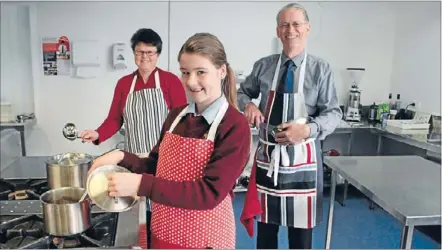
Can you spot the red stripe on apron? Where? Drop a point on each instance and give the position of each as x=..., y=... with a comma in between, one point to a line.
x=270, y=100
x=269, y=105
x=309, y=153
x=309, y=212
x=263, y=207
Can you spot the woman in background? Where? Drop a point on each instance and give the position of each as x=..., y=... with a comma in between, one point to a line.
x=141, y=99
x=203, y=148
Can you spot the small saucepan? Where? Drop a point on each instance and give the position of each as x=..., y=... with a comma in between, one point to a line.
x=63, y=212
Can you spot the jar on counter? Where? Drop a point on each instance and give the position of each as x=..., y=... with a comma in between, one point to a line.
x=392, y=114
x=384, y=119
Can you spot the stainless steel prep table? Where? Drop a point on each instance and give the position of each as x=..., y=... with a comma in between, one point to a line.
x=407, y=187
x=23, y=127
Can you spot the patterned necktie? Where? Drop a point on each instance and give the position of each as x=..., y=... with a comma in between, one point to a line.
x=289, y=78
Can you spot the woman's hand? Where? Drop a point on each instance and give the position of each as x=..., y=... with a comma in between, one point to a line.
x=124, y=184
x=89, y=135
x=113, y=158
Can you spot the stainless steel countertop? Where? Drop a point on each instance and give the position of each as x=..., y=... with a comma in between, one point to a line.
x=408, y=187
x=412, y=140
x=35, y=167
x=26, y=123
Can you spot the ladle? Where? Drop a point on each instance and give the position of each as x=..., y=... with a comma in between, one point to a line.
x=70, y=131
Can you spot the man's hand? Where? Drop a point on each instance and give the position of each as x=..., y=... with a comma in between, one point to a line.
x=292, y=133
x=253, y=115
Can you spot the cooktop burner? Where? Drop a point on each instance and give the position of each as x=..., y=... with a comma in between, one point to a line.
x=28, y=232
x=22, y=189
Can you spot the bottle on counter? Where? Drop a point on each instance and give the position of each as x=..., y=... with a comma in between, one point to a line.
x=390, y=101
x=393, y=114
x=384, y=119
x=382, y=108
x=397, y=104
x=372, y=112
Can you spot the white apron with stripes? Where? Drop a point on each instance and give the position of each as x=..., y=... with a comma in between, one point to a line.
x=144, y=115
x=287, y=202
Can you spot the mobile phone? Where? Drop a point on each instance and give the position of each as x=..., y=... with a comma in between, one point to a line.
x=276, y=130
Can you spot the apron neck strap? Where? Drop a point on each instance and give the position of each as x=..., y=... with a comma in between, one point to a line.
x=178, y=119
x=213, y=126
x=275, y=76
x=157, y=79
x=216, y=122
x=302, y=75
x=134, y=81
x=132, y=86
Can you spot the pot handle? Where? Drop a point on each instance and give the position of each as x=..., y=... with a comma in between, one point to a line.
x=90, y=201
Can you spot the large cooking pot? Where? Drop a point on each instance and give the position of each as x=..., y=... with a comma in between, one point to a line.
x=68, y=170
x=63, y=214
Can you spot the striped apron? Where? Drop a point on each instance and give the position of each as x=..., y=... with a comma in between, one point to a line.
x=183, y=159
x=285, y=185
x=144, y=115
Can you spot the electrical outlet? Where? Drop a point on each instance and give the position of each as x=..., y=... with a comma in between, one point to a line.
x=417, y=105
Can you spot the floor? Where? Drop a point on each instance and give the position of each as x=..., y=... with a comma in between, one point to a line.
x=355, y=226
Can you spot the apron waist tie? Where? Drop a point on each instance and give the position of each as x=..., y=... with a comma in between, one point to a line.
x=278, y=154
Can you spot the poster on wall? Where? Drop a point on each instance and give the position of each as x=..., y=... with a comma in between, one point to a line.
x=56, y=56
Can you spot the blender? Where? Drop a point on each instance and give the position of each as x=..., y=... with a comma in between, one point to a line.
x=352, y=112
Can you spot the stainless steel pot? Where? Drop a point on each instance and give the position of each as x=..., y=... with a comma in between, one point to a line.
x=63, y=215
x=68, y=170
x=97, y=188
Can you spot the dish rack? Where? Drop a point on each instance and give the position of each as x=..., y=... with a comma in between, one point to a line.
x=408, y=124
x=420, y=123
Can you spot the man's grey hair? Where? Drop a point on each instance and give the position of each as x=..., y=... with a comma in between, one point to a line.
x=296, y=6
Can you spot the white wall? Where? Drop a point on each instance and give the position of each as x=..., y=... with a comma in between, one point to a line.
x=416, y=71
x=86, y=102
x=347, y=34
x=16, y=76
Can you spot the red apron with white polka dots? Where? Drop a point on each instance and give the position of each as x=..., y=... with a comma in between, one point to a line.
x=184, y=159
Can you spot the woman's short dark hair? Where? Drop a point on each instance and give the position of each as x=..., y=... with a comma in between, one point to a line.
x=147, y=36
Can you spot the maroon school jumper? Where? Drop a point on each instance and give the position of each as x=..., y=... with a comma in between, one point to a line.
x=171, y=86
x=230, y=155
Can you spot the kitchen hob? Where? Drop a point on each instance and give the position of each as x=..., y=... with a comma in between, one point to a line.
x=28, y=232
x=22, y=189
x=22, y=225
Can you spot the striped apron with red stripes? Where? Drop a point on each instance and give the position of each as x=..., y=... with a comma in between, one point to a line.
x=285, y=182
